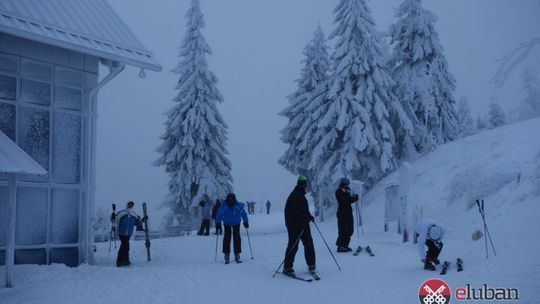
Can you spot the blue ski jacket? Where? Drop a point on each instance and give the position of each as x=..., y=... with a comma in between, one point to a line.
x=125, y=221
x=231, y=216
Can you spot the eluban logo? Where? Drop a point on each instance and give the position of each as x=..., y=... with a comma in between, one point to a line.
x=434, y=291
x=486, y=293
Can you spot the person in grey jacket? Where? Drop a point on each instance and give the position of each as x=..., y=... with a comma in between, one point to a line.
x=430, y=233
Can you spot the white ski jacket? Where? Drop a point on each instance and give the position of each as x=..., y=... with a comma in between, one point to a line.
x=422, y=229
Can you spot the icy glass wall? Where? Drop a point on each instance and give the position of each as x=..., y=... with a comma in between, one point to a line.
x=44, y=93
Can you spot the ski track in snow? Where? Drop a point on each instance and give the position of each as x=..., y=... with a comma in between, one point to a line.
x=183, y=268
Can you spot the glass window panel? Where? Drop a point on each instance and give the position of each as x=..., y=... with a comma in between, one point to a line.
x=68, y=256
x=30, y=256
x=7, y=120
x=66, y=148
x=8, y=87
x=36, y=92
x=68, y=98
x=8, y=65
x=65, y=216
x=36, y=70
x=31, y=225
x=34, y=134
x=4, y=214
x=68, y=77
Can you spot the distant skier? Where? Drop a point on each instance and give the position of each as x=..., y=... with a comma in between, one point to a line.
x=345, y=215
x=214, y=214
x=126, y=220
x=297, y=219
x=232, y=213
x=268, y=205
x=205, y=224
x=429, y=233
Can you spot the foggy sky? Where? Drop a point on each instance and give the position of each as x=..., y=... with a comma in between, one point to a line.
x=257, y=51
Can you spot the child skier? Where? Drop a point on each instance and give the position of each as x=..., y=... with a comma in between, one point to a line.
x=231, y=213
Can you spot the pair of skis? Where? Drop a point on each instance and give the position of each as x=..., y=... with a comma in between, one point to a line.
x=446, y=266
x=314, y=276
x=366, y=249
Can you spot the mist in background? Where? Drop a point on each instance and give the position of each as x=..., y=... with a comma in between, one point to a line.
x=257, y=51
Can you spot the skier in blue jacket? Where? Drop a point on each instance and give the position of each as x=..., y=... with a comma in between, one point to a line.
x=232, y=213
x=126, y=220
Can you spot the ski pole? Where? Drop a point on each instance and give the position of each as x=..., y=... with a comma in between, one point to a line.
x=249, y=242
x=484, y=220
x=215, y=255
x=327, y=246
x=288, y=252
x=357, y=221
x=487, y=230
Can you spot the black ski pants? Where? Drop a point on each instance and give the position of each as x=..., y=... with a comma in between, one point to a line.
x=434, y=249
x=345, y=228
x=205, y=228
x=292, y=248
x=235, y=230
x=123, y=252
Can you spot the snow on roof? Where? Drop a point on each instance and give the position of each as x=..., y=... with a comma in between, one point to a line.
x=14, y=160
x=90, y=27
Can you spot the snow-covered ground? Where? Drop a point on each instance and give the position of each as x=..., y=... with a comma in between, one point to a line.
x=183, y=270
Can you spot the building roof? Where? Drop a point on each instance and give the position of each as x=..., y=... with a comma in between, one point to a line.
x=14, y=160
x=87, y=26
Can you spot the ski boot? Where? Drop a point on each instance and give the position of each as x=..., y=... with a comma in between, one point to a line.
x=237, y=258
x=226, y=258
x=429, y=266
x=288, y=272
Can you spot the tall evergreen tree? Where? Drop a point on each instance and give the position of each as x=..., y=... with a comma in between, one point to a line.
x=420, y=69
x=465, y=121
x=354, y=135
x=315, y=72
x=497, y=117
x=193, y=150
x=303, y=107
x=531, y=86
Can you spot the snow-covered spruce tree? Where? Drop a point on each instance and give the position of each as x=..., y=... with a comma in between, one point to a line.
x=354, y=136
x=531, y=86
x=193, y=150
x=496, y=118
x=424, y=82
x=481, y=123
x=465, y=121
x=303, y=103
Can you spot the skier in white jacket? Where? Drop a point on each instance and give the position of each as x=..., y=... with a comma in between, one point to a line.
x=429, y=233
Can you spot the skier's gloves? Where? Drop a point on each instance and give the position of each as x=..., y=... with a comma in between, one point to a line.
x=145, y=218
x=246, y=225
x=113, y=216
x=356, y=197
x=311, y=218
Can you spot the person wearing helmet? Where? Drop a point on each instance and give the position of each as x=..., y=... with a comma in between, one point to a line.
x=297, y=219
x=231, y=213
x=345, y=215
x=429, y=233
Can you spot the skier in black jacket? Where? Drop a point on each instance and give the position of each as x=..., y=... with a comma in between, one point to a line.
x=345, y=215
x=297, y=218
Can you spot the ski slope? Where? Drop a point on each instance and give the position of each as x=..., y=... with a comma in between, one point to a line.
x=183, y=269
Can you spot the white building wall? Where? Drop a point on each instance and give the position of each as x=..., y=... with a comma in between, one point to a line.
x=45, y=108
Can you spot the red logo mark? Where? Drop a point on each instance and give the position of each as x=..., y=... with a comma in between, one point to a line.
x=434, y=291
